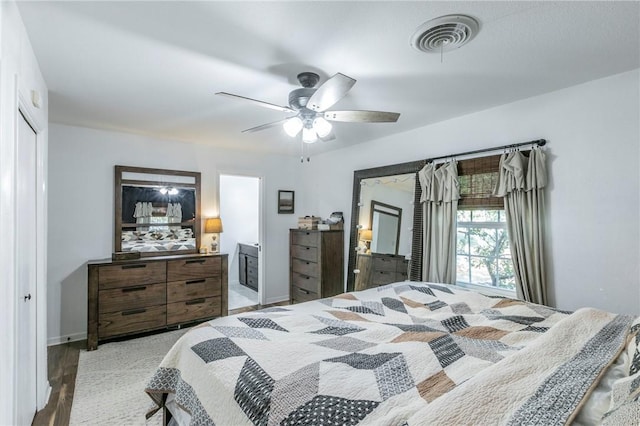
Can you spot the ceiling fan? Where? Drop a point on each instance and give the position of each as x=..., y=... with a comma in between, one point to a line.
x=310, y=108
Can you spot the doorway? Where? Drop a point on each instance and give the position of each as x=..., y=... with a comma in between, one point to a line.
x=26, y=271
x=241, y=213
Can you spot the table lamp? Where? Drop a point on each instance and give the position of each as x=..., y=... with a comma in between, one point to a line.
x=213, y=225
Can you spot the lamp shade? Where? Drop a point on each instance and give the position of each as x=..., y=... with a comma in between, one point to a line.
x=213, y=225
x=366, y=235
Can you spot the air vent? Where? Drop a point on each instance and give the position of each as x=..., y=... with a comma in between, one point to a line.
x=445, y=33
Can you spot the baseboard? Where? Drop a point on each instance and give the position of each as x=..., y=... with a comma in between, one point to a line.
x=66, y=339
x=42, y=404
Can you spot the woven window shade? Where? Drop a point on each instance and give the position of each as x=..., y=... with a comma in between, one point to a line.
x=478, y=178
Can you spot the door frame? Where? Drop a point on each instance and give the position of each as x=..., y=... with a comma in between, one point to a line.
x=262, y=257
x=26, y=108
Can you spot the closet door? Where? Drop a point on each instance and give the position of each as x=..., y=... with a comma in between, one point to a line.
x=26, y=273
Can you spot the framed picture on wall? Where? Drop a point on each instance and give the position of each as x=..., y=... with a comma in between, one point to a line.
x=285, y=202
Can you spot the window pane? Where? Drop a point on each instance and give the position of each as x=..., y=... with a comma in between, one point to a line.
x=503, y=243
x=484, y=257
x=463, y=241
x=506, y=275
x=464, y=215
x=462, y=269
x=480, y=271
x=485, y=215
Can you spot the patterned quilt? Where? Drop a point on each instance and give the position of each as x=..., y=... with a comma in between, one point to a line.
x=403, y=354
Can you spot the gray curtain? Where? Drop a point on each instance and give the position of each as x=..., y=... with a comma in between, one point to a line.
x=521, y=182
x=440, y=194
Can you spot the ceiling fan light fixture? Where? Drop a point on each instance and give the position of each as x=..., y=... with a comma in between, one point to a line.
x=322, y=127
x=292, y=126
x=309, y=135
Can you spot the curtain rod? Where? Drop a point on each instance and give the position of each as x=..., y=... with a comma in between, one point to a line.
x=539, y=142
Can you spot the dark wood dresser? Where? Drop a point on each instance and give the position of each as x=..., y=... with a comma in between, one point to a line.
x=127, y=297
x=316, y=264
x=248, y=265
x=379, y=269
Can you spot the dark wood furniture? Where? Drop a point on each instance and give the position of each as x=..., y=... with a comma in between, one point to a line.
x=128, y=297
x=380, y=269
x=316, y=264
x=248, y=265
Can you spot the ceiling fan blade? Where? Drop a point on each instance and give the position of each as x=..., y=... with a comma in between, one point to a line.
x=257, y=102
x=362, y=116
x=265, y=126
x=330, y=92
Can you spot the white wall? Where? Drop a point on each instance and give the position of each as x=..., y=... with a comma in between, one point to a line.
x=81, y=208
x=19, y=75
x=593, y=198
x=239, y=197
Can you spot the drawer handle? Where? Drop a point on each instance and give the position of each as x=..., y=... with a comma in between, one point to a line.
x=307, y=263
x=133, y=312
x=195, y=261
x=140, y=265
x=307, y=248
x=195, y=302
x=301, y=290
x=195, y=281
x=131, y=289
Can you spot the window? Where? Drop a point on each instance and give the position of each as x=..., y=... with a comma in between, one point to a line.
x=483, y=254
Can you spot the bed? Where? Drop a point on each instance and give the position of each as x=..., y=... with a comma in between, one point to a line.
x=405, y=354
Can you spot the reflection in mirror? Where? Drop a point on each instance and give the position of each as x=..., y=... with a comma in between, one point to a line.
x=157, y=211
x=385, y=227
x=395, y=192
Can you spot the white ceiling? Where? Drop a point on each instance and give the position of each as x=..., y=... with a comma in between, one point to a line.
x=152, y=68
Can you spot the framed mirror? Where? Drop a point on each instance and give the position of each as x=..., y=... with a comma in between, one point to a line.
x=386, y=221
x=396, y=186
x=157, y=211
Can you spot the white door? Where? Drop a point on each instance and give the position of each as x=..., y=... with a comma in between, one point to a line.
x=26, y=273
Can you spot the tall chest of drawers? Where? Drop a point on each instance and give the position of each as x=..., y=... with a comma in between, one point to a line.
x=379, y=269
x=248, y=265
x=316, y=264
x=135, y=296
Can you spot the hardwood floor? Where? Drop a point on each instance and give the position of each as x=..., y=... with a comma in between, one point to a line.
x=63, y=366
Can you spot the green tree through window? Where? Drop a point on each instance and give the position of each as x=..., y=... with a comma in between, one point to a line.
x=483, y=255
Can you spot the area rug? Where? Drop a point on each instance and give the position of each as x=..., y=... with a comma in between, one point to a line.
x=110, y=381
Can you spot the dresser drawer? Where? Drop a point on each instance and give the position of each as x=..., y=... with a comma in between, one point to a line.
x=402, y=276
x=252, y=273
x=384, y=264
x=305, y=238
x=383, y=277
x=188, y=269
x=305, y=281
x=191, y=310
x=252, y=282
x=252, y=262
x=178, y=291
x=402, y=265
x=304, y=253
x=115, y=276
x=126, y=298
x=132, y=320
x=305, y=267
x=301, y=295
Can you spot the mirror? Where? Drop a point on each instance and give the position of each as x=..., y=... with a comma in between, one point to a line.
x=386, y=217
x=157, y=211
x=385, y=226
